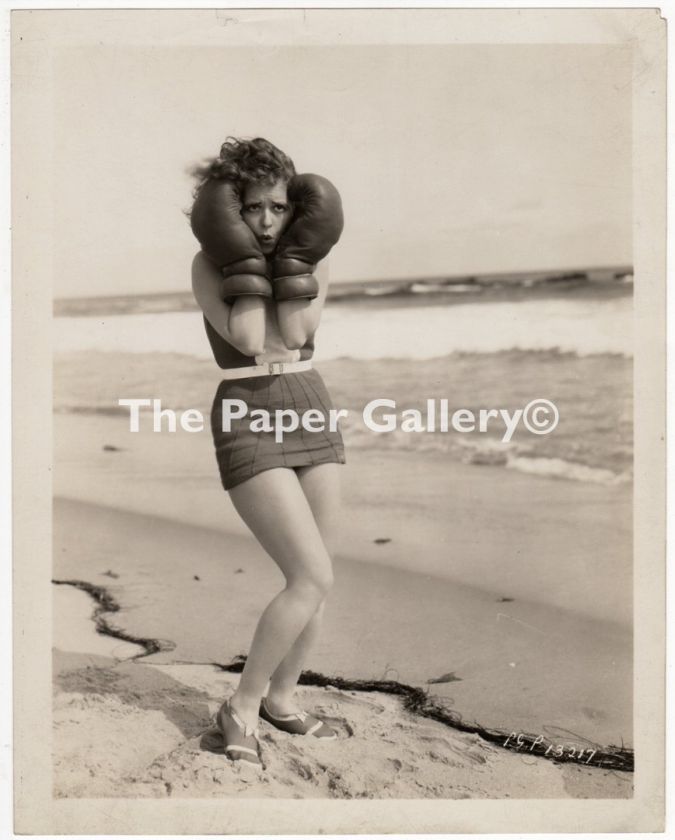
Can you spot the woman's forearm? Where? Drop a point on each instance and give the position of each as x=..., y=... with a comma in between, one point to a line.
x=246, y=324
x=242, y=322
x=299, y=319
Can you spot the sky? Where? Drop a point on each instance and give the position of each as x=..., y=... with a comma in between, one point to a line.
x=450, y=159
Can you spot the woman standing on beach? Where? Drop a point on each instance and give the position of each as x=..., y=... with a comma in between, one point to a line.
x=263, y=229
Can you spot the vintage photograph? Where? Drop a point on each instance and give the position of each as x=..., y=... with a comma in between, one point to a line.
x=342, y=337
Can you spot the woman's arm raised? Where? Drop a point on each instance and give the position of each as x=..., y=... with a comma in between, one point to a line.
x=241, y=323
x=299, y=319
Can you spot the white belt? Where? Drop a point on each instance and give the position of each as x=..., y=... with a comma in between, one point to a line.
x=267, y=369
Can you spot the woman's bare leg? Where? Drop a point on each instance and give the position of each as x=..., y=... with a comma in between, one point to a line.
x=275, y=508
x=321, y=487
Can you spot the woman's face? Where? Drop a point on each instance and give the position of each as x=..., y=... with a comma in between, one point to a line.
x=267, y=211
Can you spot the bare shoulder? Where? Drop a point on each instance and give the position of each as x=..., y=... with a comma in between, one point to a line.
x=205, y=279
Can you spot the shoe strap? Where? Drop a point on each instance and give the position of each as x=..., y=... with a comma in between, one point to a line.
x=315, y=727
x=234, y=748
x=301, y=715
x=246, y=729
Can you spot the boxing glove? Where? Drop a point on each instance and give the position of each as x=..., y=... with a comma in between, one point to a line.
x=316, y=227
x=228, y=241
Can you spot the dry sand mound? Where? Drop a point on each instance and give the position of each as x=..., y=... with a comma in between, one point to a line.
x=132, y=730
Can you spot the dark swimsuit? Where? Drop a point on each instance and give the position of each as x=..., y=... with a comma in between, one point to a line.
x=242, y=453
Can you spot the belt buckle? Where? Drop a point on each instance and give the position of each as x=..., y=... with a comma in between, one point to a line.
x=275, y=368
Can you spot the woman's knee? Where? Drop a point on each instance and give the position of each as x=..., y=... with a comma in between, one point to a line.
x=314, y=583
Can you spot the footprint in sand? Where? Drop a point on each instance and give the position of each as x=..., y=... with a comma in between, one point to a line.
x=302, y=768
x=401, y=766
x=465, y=752
x=352, y=698
x=212, y=741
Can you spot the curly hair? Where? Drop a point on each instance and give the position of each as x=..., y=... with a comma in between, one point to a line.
x=245, y=162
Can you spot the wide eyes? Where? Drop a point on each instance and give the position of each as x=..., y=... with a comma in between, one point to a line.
x=256, y=207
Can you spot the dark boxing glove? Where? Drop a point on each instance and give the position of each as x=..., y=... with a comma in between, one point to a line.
x=228, y=241
x=316, y=227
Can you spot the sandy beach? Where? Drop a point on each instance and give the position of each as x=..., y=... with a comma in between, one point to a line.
x=494, y=285
x=528, y=640
x=153, y=738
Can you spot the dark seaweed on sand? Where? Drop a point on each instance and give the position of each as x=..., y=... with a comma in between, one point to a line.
x=415, y=700
x=418, y=702
x=106, y=604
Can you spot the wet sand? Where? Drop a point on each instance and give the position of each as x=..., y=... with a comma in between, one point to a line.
x=538, y=644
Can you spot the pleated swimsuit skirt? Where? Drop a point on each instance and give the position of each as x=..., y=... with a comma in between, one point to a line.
x=242, y=453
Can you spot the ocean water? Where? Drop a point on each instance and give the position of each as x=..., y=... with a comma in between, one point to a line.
x=415, y=331
x=571, y=345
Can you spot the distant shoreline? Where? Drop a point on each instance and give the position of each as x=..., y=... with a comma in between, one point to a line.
x=452, y=288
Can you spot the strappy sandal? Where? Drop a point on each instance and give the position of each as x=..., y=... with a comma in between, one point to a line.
x=240, y=741
x=299, y=723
